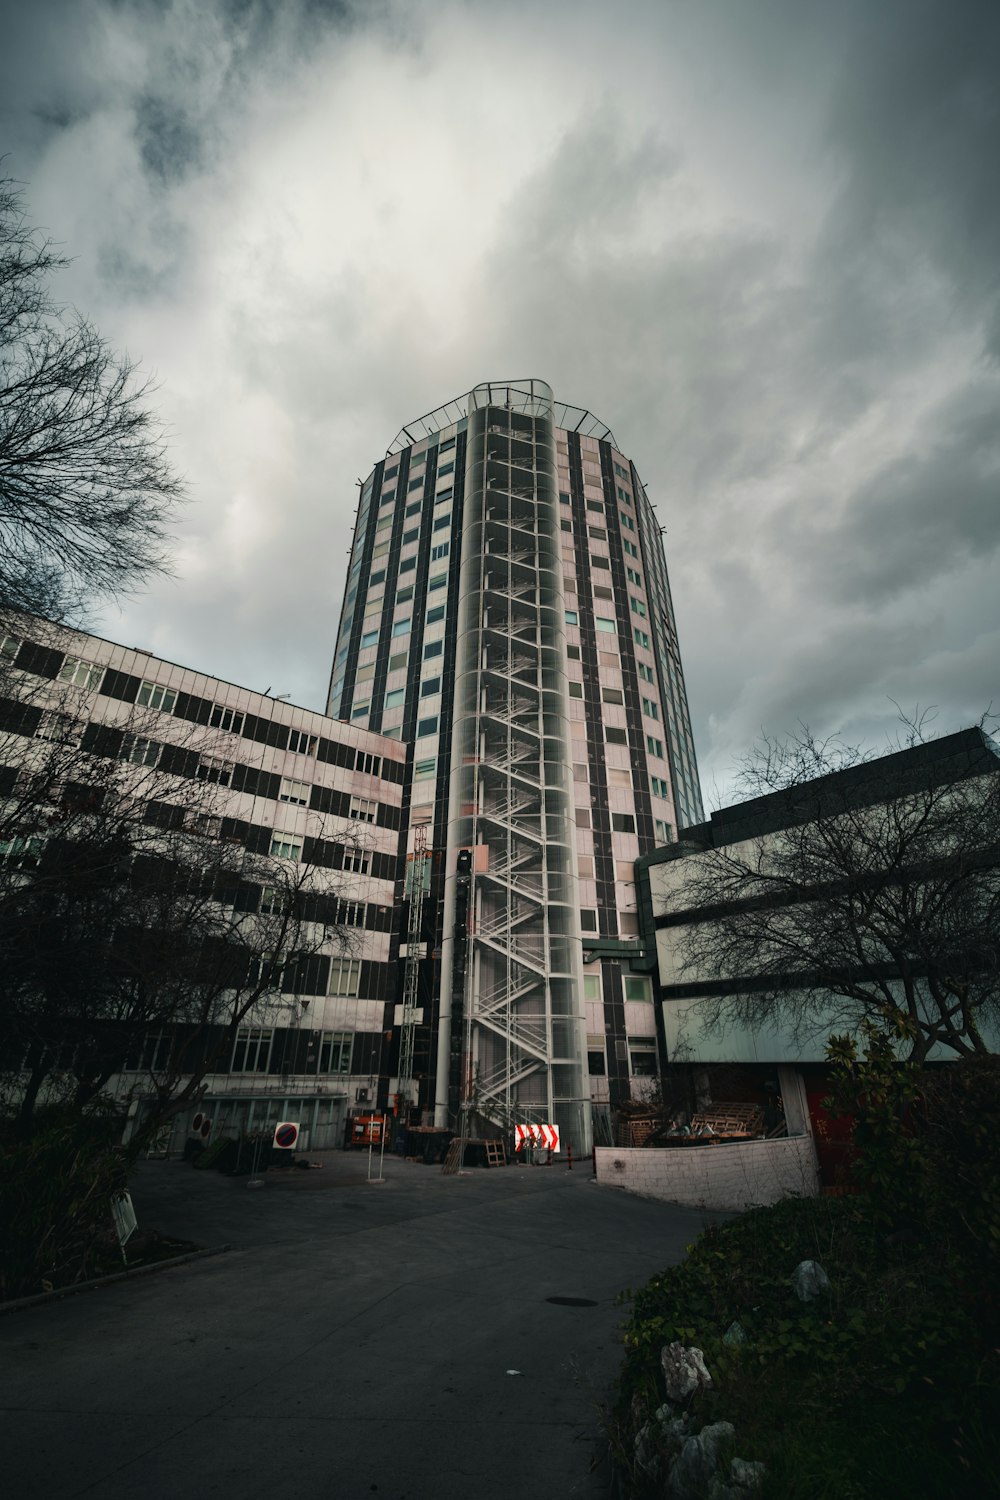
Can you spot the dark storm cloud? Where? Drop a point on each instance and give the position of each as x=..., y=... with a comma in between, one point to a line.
x=916, y=123
x=760, y=240
x=920, y=516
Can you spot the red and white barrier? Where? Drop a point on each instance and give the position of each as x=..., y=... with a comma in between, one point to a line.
x=546, y=1136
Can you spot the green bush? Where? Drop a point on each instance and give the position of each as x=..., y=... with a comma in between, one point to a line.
x=888, y=1386
x=55, y=1201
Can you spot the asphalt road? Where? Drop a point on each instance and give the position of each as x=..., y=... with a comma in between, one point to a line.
x=360, y=1340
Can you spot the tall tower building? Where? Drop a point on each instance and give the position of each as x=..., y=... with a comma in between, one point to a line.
x=508, y=613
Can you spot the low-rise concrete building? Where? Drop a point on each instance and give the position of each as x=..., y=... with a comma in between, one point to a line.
x=286, y=782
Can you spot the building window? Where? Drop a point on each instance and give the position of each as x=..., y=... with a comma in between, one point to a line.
x=415, y=484
x=300, y=743
x=441, y=522
x=597, y=561
x=397, y=662
x=440, y=551
x=82, y=674
x=272, y=901
x=9, y=647
x=219, y=773
x=630, y=547
x=362, y=709
x=372, y=764
x=433, y=648
x=334, y=1052
x=403, y=596
x=139, y=751
x=410, y=536
x=152, y=695
x=406, y=566
x=358, y=861
x=445, y=469
x=622, y=823
x=638, y=989
x=572, y=618
x=634, y=577
x=349, y=914
x=654, y=746
x=650, y=709
x=565, y=524
x=612, y=695
x=596, y=1065
x=437, y=582
x=283, y=846
x=616, y=736
x=412, y=510
x=660, y=788
x=643, y=1064
x=576, y=689
x=380, y=550
x=427, y=726
x=437, y=613
x=597, y=505
x=252, y=1050
x=401, y=627
x=370, y=638
x=430, y=687
x=638, y=608
x=390, y=473
x=226, y=718
x=641, y=638
x=573, y=652
x=395, y=698
x=294, y=791
x=345, y=976
x=583, y=817
x=662, y=831
x=627, y=520
x=646, y=672
x=588, y=921
x=363, y=809
x=442, y=496
x=598, y=533
x=21, y=853
x=422, y=769
x=563, y=498
x=59, y=729
x=604, y=624
x=446, y=444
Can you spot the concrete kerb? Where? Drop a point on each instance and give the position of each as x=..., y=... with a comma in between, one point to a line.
x=94, y=1285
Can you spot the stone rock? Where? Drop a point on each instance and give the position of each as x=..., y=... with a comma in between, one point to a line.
x=697, y=1464
x=684, y=1371
x=735, y=1334
x=747, y=1475
x=809, y=1280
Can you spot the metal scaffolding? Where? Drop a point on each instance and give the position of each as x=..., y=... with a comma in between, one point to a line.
x=417, y=882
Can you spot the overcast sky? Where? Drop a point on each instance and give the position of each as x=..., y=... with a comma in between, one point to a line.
x=760, y=239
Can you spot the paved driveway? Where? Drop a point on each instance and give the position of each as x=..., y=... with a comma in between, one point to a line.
x=357, y=1341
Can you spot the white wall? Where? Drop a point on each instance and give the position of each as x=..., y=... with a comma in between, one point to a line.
x=739, y=1175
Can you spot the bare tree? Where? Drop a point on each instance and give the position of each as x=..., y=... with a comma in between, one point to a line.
x=86, y=490
x=868, y=888
x=128, y=906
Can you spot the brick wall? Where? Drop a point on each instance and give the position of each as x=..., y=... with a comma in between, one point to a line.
x=740, y=1175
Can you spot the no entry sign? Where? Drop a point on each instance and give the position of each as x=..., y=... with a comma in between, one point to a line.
x=286, y=1135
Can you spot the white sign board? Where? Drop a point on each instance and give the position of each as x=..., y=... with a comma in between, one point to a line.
x=124, y=1216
